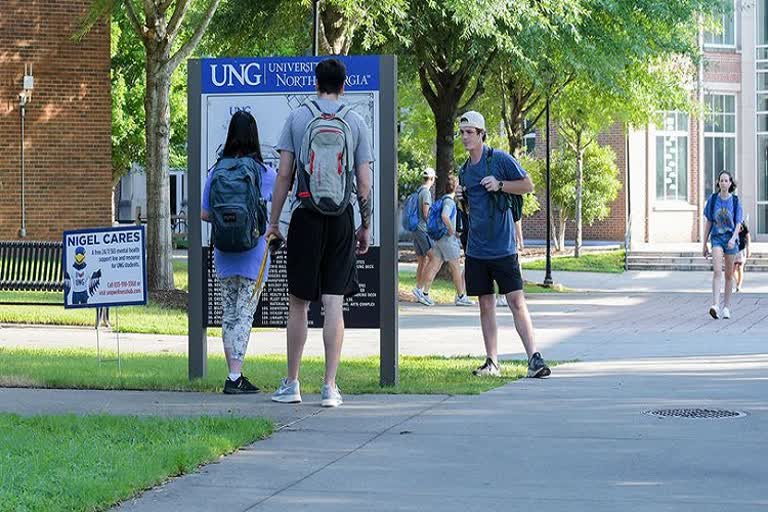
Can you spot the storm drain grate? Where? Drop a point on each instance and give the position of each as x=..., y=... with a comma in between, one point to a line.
x=705, y=414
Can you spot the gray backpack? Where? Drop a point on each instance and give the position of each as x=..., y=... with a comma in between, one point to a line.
x=325, y=174
x=238, y=212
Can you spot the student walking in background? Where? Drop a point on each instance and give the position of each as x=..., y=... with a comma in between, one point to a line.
x=724, y=217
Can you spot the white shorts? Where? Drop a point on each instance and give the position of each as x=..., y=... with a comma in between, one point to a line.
x=741, y=257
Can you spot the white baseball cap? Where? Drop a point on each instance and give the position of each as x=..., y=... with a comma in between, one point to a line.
x=428, y=173
x=472, y=119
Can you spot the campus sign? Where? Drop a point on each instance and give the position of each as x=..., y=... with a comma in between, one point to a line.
x=270, y=89
x=105, y=267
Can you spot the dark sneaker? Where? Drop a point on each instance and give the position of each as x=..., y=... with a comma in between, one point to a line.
x=242, y=386
x=488, y=369
x=537, y=368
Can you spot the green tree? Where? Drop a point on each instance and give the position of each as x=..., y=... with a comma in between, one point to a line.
x=601, y=185
x=169, y=30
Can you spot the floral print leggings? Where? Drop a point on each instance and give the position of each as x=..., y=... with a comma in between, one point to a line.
x=237, y=315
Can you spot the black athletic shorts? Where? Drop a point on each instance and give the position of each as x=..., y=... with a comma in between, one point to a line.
x=321, y=255
x=480, y=275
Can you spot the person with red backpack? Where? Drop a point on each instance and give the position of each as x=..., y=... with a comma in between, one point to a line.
x=234, y=202
x=486, y=180
x=325, y=145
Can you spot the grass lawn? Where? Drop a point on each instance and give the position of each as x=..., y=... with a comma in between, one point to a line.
x=92, y=462
x=79, y=369
x=608, y=262
x=156, y=319
x=443, y=291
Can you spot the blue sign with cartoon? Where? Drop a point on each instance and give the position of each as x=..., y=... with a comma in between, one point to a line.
x=105, y=267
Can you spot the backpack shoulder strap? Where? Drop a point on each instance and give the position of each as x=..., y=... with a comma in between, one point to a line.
x=343, y=111
x=711, y=209
x=314, y=108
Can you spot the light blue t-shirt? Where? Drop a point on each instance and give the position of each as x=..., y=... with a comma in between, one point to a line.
x=491, y=233
x=246, y=263
x=724, y=217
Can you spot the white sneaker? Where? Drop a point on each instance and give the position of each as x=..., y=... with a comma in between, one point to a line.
x=463, y=300
x=287, y=393
x=726, y=313
x=713, y=312
x=501, y=300
x=331, y=396
x=488, y=369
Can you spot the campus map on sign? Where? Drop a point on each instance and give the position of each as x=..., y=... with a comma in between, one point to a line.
x=269, y=89
x=104, y=267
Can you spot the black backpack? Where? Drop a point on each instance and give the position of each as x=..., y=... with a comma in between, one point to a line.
x=743, y=236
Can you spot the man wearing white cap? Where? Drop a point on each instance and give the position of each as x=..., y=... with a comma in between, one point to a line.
x=486, y=180
x=422, y=244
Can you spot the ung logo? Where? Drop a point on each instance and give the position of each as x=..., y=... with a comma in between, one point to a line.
x=232, y=74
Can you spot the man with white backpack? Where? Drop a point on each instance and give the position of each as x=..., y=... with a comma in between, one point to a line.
x=325, y=145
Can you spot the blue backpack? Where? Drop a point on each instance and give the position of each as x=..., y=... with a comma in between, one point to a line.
x=238, y=213
x=411, y=214
x=436, y=228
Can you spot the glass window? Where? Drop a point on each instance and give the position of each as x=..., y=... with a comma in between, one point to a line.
x=726, y=35
x=719, y=137
x=529, y=139
x=672, y=157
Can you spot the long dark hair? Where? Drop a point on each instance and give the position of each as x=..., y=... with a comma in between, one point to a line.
x=242, y=137
x=732, y=188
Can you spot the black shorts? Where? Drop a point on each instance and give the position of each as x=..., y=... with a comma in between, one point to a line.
x=480, y=275
x=321, y=255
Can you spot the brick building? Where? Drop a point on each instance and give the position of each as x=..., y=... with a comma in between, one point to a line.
x=669, y=170
x=68, y=173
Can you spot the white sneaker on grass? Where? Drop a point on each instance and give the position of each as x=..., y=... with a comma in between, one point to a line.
x=330, y=396
x=288, y=392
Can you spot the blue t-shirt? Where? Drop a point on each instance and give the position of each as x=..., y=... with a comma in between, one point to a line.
x=723, y=221
x=246, y=263
x=491, y=234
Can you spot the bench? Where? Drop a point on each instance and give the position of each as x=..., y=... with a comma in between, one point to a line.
x=31, y=266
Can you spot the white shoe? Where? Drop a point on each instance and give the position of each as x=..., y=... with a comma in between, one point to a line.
x=713, y=312
x=501, y=300
x=288, y=392
x=330, y=396
x=463, y=300
x=726, y=313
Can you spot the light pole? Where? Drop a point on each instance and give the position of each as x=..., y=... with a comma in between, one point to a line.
x=25, y=97
x=548, y=274
x=315, y=27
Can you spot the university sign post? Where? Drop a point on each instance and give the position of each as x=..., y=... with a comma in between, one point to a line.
x=270, y=88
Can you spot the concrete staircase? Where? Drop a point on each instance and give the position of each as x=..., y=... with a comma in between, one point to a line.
x=686, y=260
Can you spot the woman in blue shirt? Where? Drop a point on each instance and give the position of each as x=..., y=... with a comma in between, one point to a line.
x=724, y=217
x=238, y=271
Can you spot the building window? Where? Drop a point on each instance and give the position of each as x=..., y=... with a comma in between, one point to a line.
x=719, y=137
x=725, y=37
x=529, y=139
x=672, y=157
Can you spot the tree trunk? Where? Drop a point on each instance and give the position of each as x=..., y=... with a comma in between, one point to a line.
x=158, y=116
x=579, y=200
x=444, y=143
x=561, y=232
x=336, y=31
x=553, y=228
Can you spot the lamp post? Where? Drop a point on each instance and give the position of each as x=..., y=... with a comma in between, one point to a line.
x=548, y=273
x=315, y=27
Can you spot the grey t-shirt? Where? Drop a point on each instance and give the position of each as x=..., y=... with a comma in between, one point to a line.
x=425, y=198
x=298, y=119
x=449, y=209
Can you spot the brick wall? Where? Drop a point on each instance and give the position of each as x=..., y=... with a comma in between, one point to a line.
x=613, y=227
x=68, y=122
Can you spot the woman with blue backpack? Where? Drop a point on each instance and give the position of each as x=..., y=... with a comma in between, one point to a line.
x=234, y=202
x=724, y=218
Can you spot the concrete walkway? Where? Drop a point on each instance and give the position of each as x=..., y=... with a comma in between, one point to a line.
x=580, y=440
